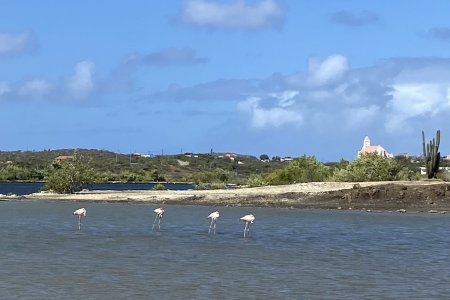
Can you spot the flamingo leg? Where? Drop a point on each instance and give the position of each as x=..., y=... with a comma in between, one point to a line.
x=79, y=222
x=210, y=226
x=214, y=227
x=245, y=228
x=154, y=222
x=159, y=223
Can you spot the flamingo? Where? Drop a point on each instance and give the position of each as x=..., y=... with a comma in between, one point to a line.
x=213, y=216
x=159, y=212
x=248, y=219
x=81, y=212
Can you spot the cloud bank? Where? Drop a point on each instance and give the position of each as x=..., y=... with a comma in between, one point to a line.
x=440, y=33
x=78, y=86
x=13, y=44
x=396, y=96
x=237, y=14
x=351, y=19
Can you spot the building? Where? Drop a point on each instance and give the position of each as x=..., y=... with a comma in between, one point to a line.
x=62, y=158
x=367, y=148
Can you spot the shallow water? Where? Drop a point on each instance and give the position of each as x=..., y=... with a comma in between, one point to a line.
x=289, y=254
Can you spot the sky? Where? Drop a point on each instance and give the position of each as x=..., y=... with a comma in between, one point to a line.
x=275, y=77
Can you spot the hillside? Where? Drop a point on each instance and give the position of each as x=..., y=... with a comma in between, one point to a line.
x=110, y=166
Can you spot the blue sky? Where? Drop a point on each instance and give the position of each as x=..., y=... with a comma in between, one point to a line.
x=284, y=77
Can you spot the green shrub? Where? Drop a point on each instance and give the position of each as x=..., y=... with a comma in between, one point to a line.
x=302, y=169
x=217, y=176
x=69, y=176
x=256, y=180
x=159, y=187
x=373, y=167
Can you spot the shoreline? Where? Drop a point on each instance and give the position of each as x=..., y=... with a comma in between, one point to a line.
x=417, y=196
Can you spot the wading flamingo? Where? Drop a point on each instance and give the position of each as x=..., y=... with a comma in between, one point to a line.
x=213, y=216
x=248, y=219
x=81, y=212
x=159, y=212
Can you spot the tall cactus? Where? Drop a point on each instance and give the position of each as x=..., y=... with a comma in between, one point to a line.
x=431, y=154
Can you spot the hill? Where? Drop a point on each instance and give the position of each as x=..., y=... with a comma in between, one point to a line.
x=110, y=166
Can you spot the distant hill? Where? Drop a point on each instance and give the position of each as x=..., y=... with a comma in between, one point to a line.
x=112, y=166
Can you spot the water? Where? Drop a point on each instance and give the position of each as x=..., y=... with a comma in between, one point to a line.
x=290, y=254
x=26, y=188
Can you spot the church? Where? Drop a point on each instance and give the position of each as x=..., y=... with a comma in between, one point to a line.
x=368, y=148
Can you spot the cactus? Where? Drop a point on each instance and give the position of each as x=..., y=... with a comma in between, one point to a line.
x=431, y=154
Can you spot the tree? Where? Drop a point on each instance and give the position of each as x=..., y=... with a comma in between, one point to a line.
x=302, y=169
x=369, y=167
x=69, y=176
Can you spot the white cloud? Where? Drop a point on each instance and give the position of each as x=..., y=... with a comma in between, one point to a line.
x=35, y=89
x=416, y=99
x=286, y=98
x=238, y=14
x=81, y=84
x=413, y=99
x=327, y=71
x=261, y=117
x=17, y=43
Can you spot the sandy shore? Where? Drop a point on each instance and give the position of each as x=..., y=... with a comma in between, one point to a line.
x=405, y=195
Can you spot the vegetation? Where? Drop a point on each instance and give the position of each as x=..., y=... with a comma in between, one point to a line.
x=432, y=155
x=69, y=176
x=373, y=167
x=303, y=169
x=159, y=187
x=206, y=171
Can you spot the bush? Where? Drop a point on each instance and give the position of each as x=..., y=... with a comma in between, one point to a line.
x=69, y=176
x=210, y=186
x=217, y=176
x=159, y=187
x=373, y=167
x=256, y=180
x=303, y=169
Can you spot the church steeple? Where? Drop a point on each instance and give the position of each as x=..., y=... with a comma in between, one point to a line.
x=366, y=142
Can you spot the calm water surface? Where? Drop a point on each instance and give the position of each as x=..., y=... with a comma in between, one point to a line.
x=290, y=254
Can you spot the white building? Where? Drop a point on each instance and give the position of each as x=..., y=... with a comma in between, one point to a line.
x=367, y=148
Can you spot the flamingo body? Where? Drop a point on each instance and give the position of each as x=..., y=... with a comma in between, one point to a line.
x=248, y=218
x=159, y=212
x=80, y=212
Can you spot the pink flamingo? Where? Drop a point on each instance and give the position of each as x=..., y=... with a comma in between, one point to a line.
x=213, y=216
x=159, y=212
x=248, y=219
x=81, y=212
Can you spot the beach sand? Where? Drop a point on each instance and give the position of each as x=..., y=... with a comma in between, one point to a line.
x=423, y=196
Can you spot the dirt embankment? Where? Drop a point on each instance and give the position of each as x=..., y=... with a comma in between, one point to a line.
x=410, y=196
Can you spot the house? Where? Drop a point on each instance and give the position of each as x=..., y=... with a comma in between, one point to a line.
x=62, y=158
x=423, y=170
x=231, y=156
x=367, y=148
x=288, y=158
